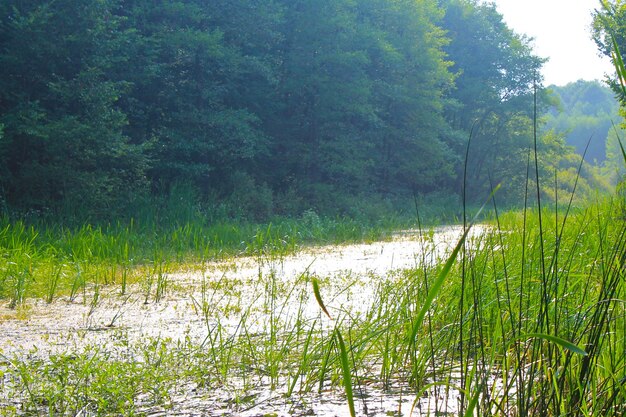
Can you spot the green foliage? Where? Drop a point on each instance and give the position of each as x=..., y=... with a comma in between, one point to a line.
x=94, y=382
x=264, y=108
x=64, y=139
x=496, y=73
x=610, y=36
x=183, y=76
x=586, y=114
x=249, y=200
x=609, y=33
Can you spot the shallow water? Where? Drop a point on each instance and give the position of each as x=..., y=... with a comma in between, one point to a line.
x=219, y=293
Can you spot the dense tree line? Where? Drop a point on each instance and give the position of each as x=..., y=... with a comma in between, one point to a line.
x=274, y=106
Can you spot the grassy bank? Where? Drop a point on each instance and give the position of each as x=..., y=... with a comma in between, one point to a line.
x=43, y=259
x=528, y=320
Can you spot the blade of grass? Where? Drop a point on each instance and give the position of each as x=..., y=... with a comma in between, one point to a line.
x=347, y=375
x=556, y=340
x=318, y=296
x=618, y=62
x=472, y=404
x=434, y=289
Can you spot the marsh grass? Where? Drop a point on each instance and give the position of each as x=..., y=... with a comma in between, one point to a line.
x=47, y=261
x=529, y=348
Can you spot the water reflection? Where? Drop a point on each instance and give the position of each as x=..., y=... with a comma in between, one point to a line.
x=256, y=291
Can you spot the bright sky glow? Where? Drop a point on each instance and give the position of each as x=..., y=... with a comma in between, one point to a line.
x=561, y=32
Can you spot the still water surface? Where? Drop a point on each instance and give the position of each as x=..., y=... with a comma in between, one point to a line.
x=349, y=273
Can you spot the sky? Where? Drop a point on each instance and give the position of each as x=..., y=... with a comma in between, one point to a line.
x=561, y=32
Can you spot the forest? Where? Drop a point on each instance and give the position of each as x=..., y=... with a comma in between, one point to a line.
x=263, y=208
x=587, y=115
x=263, y=108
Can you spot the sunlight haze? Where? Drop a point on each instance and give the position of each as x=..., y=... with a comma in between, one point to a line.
x=561, y=32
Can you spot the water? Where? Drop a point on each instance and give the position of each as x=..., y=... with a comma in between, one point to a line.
x=220, y=294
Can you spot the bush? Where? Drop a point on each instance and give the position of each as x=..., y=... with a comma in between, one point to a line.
x=249, y=200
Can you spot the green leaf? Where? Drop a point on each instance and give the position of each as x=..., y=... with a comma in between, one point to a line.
x=318, y=296
x=619, y=66
x=347, y=375
x=622, y=148
x=472, y=405
x=556, y=340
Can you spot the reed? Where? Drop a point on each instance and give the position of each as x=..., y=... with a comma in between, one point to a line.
x=45, y=260
x=407, y=336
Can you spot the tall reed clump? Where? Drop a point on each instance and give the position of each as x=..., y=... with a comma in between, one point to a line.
x=544, y=314
x=48, y=260
x=539, y=323
x=18, y=259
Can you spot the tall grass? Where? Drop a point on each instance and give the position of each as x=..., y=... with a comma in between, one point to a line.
x=529, y=348
x=47, y=260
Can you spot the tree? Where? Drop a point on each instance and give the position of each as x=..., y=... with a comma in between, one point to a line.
x=410, y=76
x=323, y=103
x=187, y=95
x=609, y=33
x=610, y=36
x=493, y=99
x=585, y=114
x=360, y=91
x=322, y=100
x=64, y=141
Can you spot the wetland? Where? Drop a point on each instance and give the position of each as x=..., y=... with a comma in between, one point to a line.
x=232, y=301
x=487, y=320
